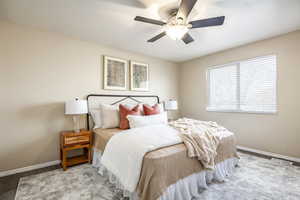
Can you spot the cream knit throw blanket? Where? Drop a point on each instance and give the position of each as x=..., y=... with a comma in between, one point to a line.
x=201, y=139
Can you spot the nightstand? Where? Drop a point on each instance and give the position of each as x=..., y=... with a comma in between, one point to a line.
x=69, y=140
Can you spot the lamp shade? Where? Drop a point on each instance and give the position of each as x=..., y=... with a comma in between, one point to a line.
x=76, y=107
x=171, y=105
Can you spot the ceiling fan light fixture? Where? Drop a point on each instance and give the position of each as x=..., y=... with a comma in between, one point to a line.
x=177, y=25
x=176, y=32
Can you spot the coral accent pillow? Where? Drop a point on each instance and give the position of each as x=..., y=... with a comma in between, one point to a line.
x=124, y=112
x=151, y=110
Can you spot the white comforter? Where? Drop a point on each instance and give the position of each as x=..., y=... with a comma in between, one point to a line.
x=124, y=153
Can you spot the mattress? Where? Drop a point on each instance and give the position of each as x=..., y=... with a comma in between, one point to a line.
x=158, y=171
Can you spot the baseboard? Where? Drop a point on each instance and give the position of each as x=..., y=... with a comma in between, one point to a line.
x=274, y=155
x=29, y=168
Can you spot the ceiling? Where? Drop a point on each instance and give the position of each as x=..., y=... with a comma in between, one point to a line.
x=110, y=22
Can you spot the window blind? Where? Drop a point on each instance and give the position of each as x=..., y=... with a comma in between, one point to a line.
x=245, y=86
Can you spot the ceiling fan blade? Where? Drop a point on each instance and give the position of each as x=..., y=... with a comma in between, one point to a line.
x=187, y=38
x=216, y=21
x=157, y=37
x=185, y=8
x=150, y=21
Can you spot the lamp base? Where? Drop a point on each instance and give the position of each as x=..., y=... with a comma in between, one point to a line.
x=76, y=124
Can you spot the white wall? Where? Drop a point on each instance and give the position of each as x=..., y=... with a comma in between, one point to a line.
x=39, y=71
x=279, y=133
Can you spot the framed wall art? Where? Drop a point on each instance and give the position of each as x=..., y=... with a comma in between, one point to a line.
x=115, y=73
x=139, y=76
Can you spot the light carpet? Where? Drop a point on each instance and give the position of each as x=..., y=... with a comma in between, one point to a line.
x=254, y=179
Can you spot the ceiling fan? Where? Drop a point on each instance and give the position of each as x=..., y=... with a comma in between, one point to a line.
x=177, y=26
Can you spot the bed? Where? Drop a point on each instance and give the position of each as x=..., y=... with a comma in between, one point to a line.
x=158, y=178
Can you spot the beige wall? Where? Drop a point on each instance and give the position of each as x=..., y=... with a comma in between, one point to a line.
x=278, y=133
x=38, y=72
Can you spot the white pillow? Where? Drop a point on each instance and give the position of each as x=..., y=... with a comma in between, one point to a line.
x=161, y=107
x=110, y=116
x=136, y=121
x=96, y=116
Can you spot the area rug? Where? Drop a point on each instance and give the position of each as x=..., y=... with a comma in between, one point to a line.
x=254, y=179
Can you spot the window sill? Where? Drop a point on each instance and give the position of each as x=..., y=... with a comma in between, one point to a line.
x=241, y=111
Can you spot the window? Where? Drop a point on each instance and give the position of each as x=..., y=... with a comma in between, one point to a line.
x=245, y=86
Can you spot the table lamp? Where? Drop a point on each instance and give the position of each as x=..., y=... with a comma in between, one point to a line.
x=76, y=108
x=171, y=105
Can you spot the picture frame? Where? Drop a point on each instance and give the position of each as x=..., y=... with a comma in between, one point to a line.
x=115, y=73
x=139, y=76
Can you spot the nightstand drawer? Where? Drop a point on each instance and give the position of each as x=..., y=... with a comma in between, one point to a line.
x=76, y=140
